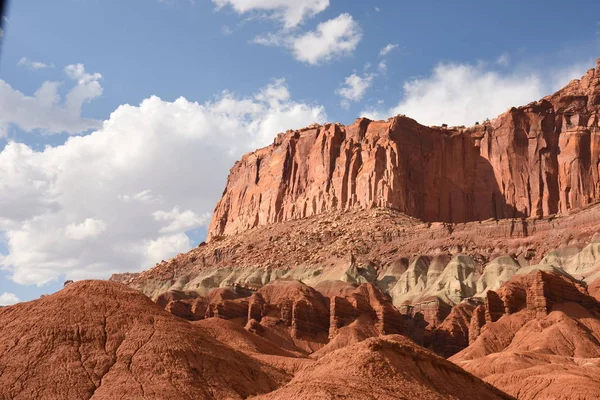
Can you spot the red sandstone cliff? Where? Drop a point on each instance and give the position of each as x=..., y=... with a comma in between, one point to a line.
x=535, y=160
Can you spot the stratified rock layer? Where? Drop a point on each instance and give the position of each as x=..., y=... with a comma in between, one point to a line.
x=452, y=335
x=531, y=161
x=546, y=343
x=306, y=318
x=371, y=246
x=102, y=340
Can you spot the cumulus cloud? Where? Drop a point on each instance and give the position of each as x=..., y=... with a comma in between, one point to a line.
x=354, y=88
x=8, y=299
x=145, y=196
x=89, y=228
x=127, y=195
x=334, y=38
x=180, y=221
x=461, y=94
x=561, y=75
x=45, y=110
x=27, y=63
x=156, y=250
x=388, y=48
x=290, y=13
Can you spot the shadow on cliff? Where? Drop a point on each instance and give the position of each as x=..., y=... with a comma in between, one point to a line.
x=471, y=192
x=487, y=199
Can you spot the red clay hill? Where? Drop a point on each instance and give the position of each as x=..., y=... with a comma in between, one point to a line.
x=102, y=340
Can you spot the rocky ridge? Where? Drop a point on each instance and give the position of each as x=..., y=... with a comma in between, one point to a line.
x=302, y=317
x=535, y=336
x=531, y=161
x=541, y=339
x=386, y=368
x=102, y=340
x=416, y=263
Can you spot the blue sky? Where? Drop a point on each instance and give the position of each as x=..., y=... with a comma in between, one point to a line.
x=92, y=186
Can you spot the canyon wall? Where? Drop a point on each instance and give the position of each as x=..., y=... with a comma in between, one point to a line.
x=532, y=161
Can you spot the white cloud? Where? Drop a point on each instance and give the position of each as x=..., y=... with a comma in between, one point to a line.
x=164, y=246
x=145, y=196
x=458, y=94
x=290, y=13
x=77, y=72
x=334, y=38
x=123, y=197
x=462, y=94
x=272, y=39
x=180, y=221
x=8, y=299
x=387, y=49
x=382, y=67
x=275, y=93
x=560, y=76
x=354, y=88
x=89, y=228
x=45, y=110
x=27, y=63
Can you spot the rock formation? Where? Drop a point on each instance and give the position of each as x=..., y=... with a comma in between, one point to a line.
x=106, y=341
x=546, y=343
x=476, y=323
x=423, y=287
x=366, y=300
x=186, y=305
x=102, y=340
x=452, y=335
x=532, y=161
x=321, y=248
x=302, y=315
x=473, y=242
x=386, y=368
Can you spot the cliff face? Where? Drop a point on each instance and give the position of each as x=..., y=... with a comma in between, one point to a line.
x=531, y=161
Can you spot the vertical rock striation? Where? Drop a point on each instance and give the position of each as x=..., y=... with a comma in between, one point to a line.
x=534, y=160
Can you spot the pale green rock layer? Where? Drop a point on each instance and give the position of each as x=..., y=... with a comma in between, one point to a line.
x=449, y=278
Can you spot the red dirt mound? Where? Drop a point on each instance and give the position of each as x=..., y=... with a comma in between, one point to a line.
x=389, y=367
x=102, y=340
